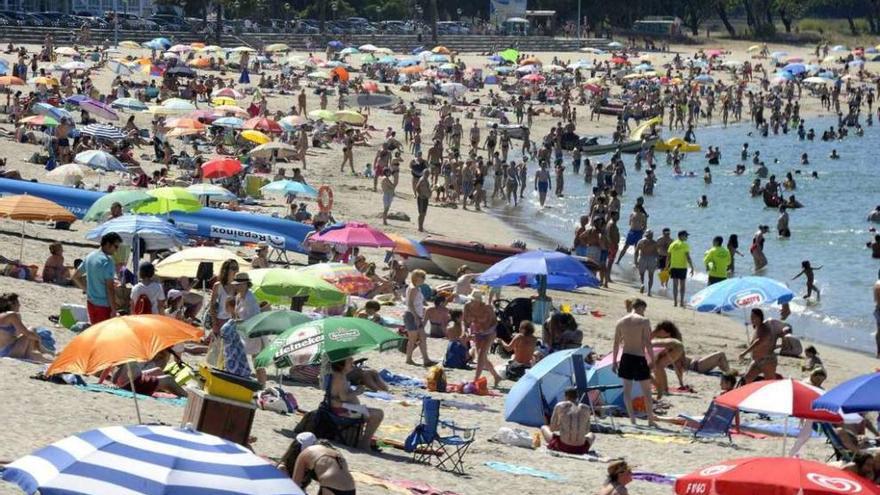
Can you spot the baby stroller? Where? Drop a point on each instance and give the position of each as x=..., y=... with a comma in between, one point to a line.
x=510, y=313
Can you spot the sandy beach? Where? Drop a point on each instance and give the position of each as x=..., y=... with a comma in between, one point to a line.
x=37, y=413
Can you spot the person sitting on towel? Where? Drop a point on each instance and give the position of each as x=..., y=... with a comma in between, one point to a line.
x=569, y=428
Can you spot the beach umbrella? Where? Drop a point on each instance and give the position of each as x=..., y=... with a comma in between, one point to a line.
x=349, y=51
x=264, y=124
x=142, y=460
x=408, y=247
x=222, y=100
x=336, y=337
x=99, y=159
x=291, y=122
x=11, y=81
x=289, y=187
x=606, y=384
x=230, y=122
x=453, y=89
x=438, y=59
x=342, y=276
x=795, y=68
x=255, y=136
x=186, y=263
x=45, y=81
x=228, y=92
x=277, y=47
x=56, y=113
x=129, y=44
x=185, y=123
x=169, y=199
x=212, y=191
x=859, y=394
x=275, y=148
x=176, y=105
x=415, y=69
x=740, y=293
x=369, y=100
x=39, y=120
x=182, y=71
x=221, y=167
x=532, y=78
x=129, y=104
x=201, y=63
x=66, y=51
x=103, y=131
x=234, y=110
x=278, y=285
x=353, y=234
x=74, y=65
x=271, y=323
x=532, y=397
x=441, y=49
x=163, y=43
x=817, y=80
x=368, y=48
x=99, y=109
x=542, y=269
x=704, y=79
x=179, y=132
x=773, y=476
x=615, y=44
x=180, y=49
x=119, y=341
x=509, y=55
x=581, y=64
x=69, y=173
x=128, y=199
x=26, y=208
x=349, y=117
x=157, y=233
x=325, y=115
x=407, y=62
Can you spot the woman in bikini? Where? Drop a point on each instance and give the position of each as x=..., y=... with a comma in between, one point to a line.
x=16, y=340
x=344, y=401
x=479, y=319
x=309, y=459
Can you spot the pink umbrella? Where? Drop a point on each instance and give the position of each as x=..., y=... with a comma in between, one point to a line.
x=355, y=234
x=206, y=116
x=533, y=78
x=98, y=109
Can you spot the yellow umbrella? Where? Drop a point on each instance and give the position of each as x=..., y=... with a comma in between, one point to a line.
x=129, y=44
x=198, y=45
x=277, y=47
x=441, y=49
x=222, y=100
x=48, y=81
x=754, y=48
x=186, y=263
x=350, y=117
x=255, y=136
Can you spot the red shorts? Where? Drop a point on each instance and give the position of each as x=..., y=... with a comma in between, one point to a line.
x=560, y=446
x=97, y=314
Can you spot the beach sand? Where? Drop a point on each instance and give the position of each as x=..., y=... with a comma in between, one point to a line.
x=37, y=413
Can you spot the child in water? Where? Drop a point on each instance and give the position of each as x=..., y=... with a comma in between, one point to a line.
x=807, y=271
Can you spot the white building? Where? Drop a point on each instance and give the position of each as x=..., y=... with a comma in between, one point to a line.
x=97, y=7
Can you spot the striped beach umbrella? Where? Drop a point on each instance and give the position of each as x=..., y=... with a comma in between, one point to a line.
x=154, y=460
x=129, y=104
x=100, y=160
x=103, y=131
x=99, y=109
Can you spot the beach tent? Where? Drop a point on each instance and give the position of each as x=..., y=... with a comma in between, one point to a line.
x=534, y=395
x=610, y=393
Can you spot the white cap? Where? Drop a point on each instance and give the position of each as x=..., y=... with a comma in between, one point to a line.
x=306, y=439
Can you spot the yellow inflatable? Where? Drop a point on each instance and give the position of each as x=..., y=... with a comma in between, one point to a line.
x=671, y=143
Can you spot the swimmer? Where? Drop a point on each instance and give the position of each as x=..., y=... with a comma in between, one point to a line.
x=707, y=175
x=703, y=202
x=782, y=223
x=805, y=160
x=874, y=216
x=815, y=174
x=761, y=170
x=807, y=270
x=834, y=155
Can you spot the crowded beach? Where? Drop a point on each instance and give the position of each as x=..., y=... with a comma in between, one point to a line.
x=212, y=277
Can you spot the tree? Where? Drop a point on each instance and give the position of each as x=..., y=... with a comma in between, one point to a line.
x=721, y=9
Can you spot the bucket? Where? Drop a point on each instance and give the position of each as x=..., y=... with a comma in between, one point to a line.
x=228, y=386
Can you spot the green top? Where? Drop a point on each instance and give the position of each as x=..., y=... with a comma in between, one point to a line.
x=678, y=252
x=717, y=260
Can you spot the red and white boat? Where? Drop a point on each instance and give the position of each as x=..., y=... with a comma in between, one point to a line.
x=450, y=254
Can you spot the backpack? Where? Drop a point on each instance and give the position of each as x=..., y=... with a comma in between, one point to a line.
x=456, y=356
x=142, y=306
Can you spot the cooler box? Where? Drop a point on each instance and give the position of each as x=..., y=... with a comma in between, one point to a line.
x=228, y=386
x=71, y=314
x=252, y=185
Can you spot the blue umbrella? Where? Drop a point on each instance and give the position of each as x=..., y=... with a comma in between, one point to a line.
x=417, y=50
x=75, y=99
x=158, y=44
x=387, y=60
x=335, y=44
x=154, y=460
x=740, y=293
x=438, y=58
x=859, y=394
x=542, y=269
x=231, y=122
x=407, y=62
x=4, y=66
x=704, y=79
x=288, y=187
x=795, y=68
x=100, y=160
x=784, y=74
x=157, y=233
x=52, y=111
x=533, y=397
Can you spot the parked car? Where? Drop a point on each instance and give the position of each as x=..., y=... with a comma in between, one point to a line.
x=12, y=17
x=170, y=22
x=394, y=27
x=132, y=21
x=32, y=20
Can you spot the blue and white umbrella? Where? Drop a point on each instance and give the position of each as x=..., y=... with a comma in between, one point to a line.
x=119, y=68
x=230, y=122
x=158, y=44
x=212, y=191
x=51, y=111
x=100, y=160
x=541, y=269
x=129, y=104
x=407, y=62
x=795, y=68
x=859, y=394
x=147, y=460
x=740, y=293
x=157, y=233
x=103, y=131
x=288, y=187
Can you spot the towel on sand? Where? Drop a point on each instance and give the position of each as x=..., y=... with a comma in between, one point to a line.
x=398, y=486
x=163, y=398
x=523, y=470
x=401, y=380
x=660, y=479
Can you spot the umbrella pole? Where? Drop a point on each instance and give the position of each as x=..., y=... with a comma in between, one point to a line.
x=136, y=255
x=784, y=435
x=134, y=394
x=21, y=245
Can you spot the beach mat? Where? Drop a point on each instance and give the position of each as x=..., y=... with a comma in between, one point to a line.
x=398, y=486
x=176, y=401
x=657, y=438
x=660, y=479
x=523, y=471
x=589, y=456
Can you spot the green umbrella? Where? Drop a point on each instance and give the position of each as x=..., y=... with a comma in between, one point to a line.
x=170, y=199
x=128, y=199
x=338, y=337
x=510, y=55
x=278, y=285
x=271, y=323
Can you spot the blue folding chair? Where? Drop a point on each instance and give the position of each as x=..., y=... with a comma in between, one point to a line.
x=425, y=442
x=715, y=423
x=841, y=453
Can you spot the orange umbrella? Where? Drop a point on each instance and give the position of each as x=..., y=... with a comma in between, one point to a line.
x=122, y=340
x=530, y=61
x=185, y=123
x=31, y=208
x=201, y=63
x=413, y=69
x=341, y=73
x=11, y=81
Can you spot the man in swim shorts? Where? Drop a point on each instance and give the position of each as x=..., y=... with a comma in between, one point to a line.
x=542, y=183
x=631, y=354
x=569, y=428
x=663, y=250
x=638, y=222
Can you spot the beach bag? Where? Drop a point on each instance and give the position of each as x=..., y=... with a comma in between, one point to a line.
x=142, y=306
x=277, y=399
x=514, y=436
x=664, y=276
x=456, y=356
x=514, y=371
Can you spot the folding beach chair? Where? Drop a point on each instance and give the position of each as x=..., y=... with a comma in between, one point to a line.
x=348, y=430
x=841, y=453
x=715, y=423
x=586, y=393
x=425, y=442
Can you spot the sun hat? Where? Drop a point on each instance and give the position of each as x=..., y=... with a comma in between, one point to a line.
x=306, y=439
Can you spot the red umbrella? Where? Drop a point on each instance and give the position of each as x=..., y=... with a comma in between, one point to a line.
x=221, y=167
x=772, y=476
x=619, y=61
x=263, y=124
x=355, y=234
x=533, y=78
x=784, y=397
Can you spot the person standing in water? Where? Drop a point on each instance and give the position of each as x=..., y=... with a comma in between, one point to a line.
x=638, y=222
x=782, y=223
x=807, y=271
x=542, y=183
x=631, y=354
x=646, y=259
x=877, y=312
x=757, y=248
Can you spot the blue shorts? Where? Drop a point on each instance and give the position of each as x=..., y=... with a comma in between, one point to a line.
x=581, y=251
x=543, y=186
x=603, y=257
x=634, y=236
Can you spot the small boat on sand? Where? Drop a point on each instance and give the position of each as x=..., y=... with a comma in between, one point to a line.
x=450, y=254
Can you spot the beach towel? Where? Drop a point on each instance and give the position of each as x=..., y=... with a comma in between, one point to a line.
x=163, y=398
x=660, y=479
x=392, y=378
x=523, y=471
x=398, y=486
x=657, y=438
x=379, y=396
x=590, y=456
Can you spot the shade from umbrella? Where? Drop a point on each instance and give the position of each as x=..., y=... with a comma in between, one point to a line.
x=536, y=268
x=128, y=199
x=782, y=397
x=255, y=136
x=100, y=160
x=534, y=395
x=221, y=167
x=336, y=337
x=186, y=263
x=271, y=323
x=141, y=460
x=740, y=293
x=773, y=476
x=288, y=187
x=859, y=394
x=278, y=285
x=169, y=199
x=263, y=124
x=129, y=104
x=104, y=131
x=342, y=276
x=157, y=233
x=212, y=191
x=354, y=234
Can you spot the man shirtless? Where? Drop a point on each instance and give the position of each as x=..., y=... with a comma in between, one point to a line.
x=877, y=311
x=762, y=348
x=646, y=259
x=663, y=251
x=633, y=334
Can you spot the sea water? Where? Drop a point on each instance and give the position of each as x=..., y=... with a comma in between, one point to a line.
x=830, y=230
